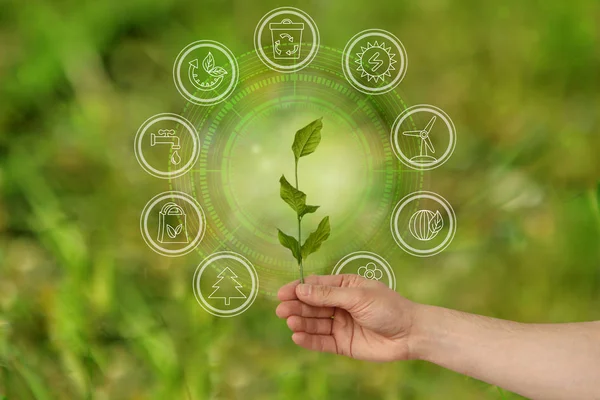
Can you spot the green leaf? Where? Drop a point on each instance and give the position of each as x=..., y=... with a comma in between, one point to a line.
x=307, y=139
x=294, y=197
x=291, y=243
x=308, y=210
x=314, y=240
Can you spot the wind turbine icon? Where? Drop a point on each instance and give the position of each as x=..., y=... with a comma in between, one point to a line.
x=426, y=144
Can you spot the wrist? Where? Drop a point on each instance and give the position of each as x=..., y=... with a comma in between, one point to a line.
x=424, y=332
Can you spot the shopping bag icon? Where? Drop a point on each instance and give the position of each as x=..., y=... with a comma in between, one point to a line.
x=287, y=39
x=172, y=224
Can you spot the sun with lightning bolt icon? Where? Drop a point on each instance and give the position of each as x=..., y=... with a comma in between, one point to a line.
x=375, y=61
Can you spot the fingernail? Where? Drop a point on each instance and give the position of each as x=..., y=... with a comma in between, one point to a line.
x=304, y=289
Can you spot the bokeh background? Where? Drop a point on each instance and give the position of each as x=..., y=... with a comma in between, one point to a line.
x=88, y=311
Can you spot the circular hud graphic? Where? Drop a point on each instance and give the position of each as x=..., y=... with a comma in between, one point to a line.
x=354, y=177
x=245, y=111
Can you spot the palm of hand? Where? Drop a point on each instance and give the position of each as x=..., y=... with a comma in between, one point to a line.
x=348, y=315
x=365, y=334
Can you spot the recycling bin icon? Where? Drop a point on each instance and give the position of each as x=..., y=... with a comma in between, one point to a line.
x=172, y=224
x=287, y=39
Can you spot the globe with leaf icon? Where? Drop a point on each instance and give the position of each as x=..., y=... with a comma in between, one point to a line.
x=425, y=224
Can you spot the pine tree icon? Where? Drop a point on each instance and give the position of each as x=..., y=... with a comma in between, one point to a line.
x=224, y=287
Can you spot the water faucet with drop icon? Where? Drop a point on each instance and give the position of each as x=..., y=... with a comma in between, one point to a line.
x=167, y=136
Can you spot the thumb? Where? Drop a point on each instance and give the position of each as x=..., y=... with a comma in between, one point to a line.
x=329, y=296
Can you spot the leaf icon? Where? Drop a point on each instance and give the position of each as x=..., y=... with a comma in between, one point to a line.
x=436, y=223
x=217, y=72
x=208, y=63
x=173, y=232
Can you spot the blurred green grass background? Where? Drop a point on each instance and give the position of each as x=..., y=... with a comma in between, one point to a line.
x=87, y=311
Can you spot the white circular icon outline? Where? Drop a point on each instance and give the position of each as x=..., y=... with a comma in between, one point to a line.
x=382, y=262
x=217, y=312
x=139, y=152
x=177, y=72
x=395, y=132
x=148, y=238
x=261, y=52
x=346, y=67
x=396, y=231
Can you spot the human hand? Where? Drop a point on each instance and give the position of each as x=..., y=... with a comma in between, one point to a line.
x=348, y=315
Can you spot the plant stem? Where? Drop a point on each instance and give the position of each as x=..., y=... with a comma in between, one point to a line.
x=300, y=266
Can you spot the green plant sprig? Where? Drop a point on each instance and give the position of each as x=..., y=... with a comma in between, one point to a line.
x=305, y=142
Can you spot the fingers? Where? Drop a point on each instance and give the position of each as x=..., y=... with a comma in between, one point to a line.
x=316, y=326
x=323, y=343
x=288, y=291
x=330, y=296
x=309, y=306
x=296, y=307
